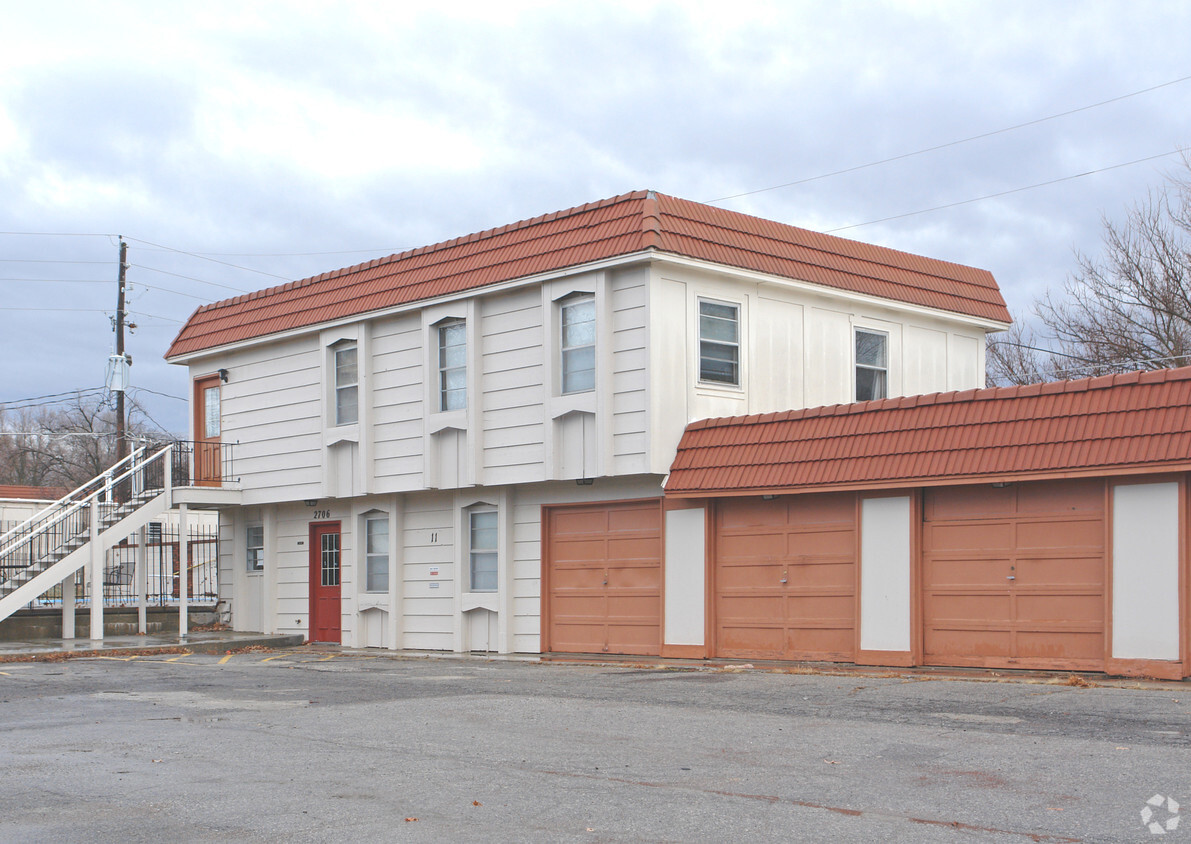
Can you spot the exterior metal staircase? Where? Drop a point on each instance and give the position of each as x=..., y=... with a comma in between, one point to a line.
x=52, y=545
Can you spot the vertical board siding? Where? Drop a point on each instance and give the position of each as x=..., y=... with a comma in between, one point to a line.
x=629, y=293
x=397, y=402
x=513, y=395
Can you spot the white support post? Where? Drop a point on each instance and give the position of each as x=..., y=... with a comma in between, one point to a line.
x=69, y=596
x=96, y=574
x=184, y=569
x=141, y=576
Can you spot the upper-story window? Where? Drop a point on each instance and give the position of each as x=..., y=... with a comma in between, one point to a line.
x=719, y=343
x=872, y=365
x=578, y=344
x=347, y=384
x=482, y=535
x=452, y=365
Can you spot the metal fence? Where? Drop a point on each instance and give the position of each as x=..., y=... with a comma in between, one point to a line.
x=163, y=563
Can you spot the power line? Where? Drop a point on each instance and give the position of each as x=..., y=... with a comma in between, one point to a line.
x=155, y=316
x=60, y=234
x=55, y=395
x=952, y=143
x=154, y=392
x=63, y=280
x=384, y=251
x=212, y=260
x=47, y=261
x=189, y=278
x=1005, y=192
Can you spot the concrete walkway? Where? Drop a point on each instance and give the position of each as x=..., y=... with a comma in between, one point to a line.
x=219, y=641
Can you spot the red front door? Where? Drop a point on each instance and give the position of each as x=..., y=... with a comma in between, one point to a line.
x=207, y=430
x=324, y=582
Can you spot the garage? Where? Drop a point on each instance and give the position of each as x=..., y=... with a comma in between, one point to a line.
x=785, y=577
x=1014, y=575
x=602, y=566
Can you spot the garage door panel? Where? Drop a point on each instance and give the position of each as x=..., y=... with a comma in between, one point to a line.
x=751, y=546
x=632, y=549
x=1085, y=572
x=1071, y=497
x=1027, y=589
x=605, y=578
x=1060, y=645
x=739, y=576
x=820, y=543
x=1058, y=607
x=753, y=641
x=814, y=575
x=812, y=547
x=971, y=536
x=960, y=606
x=816, y=510
x=969, y=502
x=951, y=572
x=1057, y=534
x=820, y=643
x=959, y=644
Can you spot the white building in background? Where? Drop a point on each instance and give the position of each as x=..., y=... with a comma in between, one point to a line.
x=461, y=447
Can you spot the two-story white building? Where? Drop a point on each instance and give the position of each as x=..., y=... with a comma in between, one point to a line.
x=462, y=447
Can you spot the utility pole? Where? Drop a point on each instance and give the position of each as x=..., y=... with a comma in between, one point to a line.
x=121, y=441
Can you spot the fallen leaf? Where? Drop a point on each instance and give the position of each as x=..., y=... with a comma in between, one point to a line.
x=1053, y=809
x=476, y=803
x=408, y=820
x=831, y=762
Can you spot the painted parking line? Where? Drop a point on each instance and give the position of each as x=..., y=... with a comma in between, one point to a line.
x=225, y=659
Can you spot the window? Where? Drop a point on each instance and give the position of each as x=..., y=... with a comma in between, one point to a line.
x=482, y=550
x=211, y=413
x=719, y=343
x=255, y=547
x=872, y=365
x=347, y=380
x=376, y=554
x=452, y=365
x=578, y=344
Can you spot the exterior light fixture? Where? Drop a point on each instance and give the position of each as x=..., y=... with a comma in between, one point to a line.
x=585, y=481
x=223, y=375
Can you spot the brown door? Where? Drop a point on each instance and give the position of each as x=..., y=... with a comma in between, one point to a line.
x=1013, y=577
x=324, y=583
x=785, y=578
x=207, y=429
x=604, y=578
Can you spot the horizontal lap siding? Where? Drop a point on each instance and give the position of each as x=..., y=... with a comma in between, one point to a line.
x=272, y=413
x=429, y=612
x=512, y=393
x=629, y=294
x=398, y=348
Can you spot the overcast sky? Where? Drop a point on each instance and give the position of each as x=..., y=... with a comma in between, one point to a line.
x=291, y=139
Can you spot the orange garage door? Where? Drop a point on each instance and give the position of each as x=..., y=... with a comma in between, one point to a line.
x=785, y=578
x=1013, y=577
x=604, y=578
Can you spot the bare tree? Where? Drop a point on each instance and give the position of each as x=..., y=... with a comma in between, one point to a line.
x=1128, y=308
x=65, y=446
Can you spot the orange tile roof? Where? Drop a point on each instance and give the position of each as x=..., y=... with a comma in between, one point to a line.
x=622, y=225
x=1115, y=424
x=31, y=493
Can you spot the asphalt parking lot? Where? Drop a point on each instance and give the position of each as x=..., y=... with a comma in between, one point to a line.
x=309, y=746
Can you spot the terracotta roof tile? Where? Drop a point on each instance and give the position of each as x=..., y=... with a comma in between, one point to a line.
x=1108, y=425
x=610, y=228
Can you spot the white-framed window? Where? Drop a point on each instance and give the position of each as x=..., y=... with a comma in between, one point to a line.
x=211, y=412
x=872, y=365
x=347, y=384
x=577, y=327
x=481, y=549
x=719, y=342
x=376, y=554
x=254, y=547
x=452, y=365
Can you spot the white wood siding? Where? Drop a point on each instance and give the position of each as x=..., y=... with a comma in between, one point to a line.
x=630, y=367
x=398, y=407
x=512, y=392
x=428, y=544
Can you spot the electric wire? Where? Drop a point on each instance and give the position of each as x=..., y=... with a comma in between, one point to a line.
x=205, y=258
x=937, y=147
x=1005, y=192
